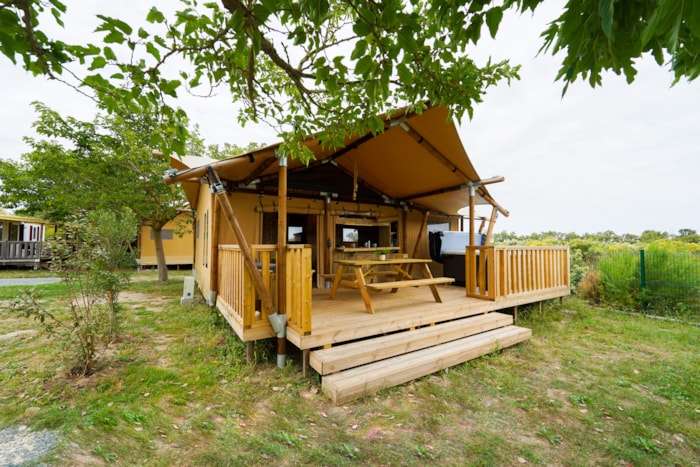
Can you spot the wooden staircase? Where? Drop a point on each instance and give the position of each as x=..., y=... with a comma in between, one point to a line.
x=355, y=369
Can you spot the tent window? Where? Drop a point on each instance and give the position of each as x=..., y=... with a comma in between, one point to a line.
x=165, y=234
x=438, y=226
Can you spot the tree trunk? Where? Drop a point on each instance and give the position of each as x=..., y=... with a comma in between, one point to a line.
x=160, y=253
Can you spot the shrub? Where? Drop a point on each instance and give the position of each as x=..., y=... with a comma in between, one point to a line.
x=89, y=267
x=591, y=286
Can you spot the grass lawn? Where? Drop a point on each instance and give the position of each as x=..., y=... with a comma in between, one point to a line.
x=592, y=387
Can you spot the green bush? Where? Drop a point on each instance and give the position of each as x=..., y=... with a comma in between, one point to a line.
x=89, y=266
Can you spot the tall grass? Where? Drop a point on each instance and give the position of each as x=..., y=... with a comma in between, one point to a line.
x=666, y=283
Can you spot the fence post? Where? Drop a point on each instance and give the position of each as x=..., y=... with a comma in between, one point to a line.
x=642, y=279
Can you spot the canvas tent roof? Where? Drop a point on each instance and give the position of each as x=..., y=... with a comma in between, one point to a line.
x=419, y=160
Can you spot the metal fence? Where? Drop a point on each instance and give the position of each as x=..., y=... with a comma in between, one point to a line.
x=654, y=281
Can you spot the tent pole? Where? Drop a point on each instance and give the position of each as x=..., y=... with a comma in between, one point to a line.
x=214, y=264
x=282, y=257
x=423, y=227
x=472, y=213
x=328, y=265
x=492, y=222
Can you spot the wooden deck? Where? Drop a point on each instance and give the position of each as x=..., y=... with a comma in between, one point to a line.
x=409, y=335
x=345, y=318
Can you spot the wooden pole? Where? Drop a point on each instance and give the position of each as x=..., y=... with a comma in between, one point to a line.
x=492, y=223
x=328, y=244
x=472, y=214
x=423, y=228
x=263, y=293
x=214, y=263
x=421, y=232
x=282, y=249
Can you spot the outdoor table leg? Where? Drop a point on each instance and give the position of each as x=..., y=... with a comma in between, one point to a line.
x=336, y=282
x=433, y=287
x=362, y=285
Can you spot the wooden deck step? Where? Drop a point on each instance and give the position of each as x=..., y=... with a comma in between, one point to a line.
x=410, y=283
x=356, y=382
x=358, y=353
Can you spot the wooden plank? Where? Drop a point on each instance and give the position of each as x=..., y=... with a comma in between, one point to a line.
x=351, y=384
x=410, y=283
x=358, y=353
x=346, y=319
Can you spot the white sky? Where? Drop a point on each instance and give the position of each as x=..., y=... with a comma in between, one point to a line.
x=621, y=157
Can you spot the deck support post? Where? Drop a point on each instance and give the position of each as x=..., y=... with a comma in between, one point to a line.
x=282, y=258
x=249, y=353
x=327, y=260
x=472, y=213
x=214, y=266
x=305, y=361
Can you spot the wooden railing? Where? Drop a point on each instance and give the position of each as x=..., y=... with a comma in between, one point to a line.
x=240, y=298
x=501, y=271
x=20, y=251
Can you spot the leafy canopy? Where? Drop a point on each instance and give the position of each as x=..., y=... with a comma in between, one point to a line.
x=82, y=166
x=330, y=66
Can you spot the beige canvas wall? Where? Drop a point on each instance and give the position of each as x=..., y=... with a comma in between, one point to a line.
x=178, y=250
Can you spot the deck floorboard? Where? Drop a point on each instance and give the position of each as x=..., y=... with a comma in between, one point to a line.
x=346, y=319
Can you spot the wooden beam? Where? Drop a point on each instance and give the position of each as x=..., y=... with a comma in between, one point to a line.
x=282, y=249
x=472, y=214
x=330, y=238
x=434, y=192
x=214, y=263
x=259, y=170
x=263, y=293
x=492, y=223
x=423, y=227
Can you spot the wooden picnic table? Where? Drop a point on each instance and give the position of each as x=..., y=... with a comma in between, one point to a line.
x=399, y=272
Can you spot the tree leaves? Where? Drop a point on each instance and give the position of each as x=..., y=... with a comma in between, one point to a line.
x=327, y=67
x=600, y=35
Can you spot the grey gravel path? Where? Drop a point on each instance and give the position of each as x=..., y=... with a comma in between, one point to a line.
x=19, y=445
x=29, y=281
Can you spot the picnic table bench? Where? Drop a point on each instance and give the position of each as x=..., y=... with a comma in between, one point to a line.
x=402, y=276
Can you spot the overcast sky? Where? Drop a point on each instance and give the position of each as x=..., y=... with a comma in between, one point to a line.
x=621, y=157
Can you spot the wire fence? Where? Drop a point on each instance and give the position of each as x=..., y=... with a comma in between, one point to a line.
x=659, y=282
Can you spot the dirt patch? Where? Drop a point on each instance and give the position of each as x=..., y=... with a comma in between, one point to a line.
x=18, y=334
x=147, y=301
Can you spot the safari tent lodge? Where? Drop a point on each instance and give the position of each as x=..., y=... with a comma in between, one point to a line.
x=365, y=258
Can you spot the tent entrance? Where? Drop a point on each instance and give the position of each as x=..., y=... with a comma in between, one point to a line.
x=302, y=229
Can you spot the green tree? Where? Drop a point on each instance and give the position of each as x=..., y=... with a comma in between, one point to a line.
x=328, y=67
x=688, y=236
x=82, y=166
x=649, y=236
